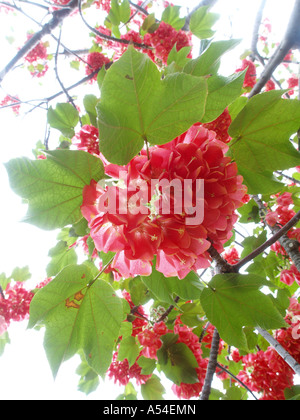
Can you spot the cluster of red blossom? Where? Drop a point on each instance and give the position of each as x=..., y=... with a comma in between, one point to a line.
x=37, y=58
x=179, y=246
x=15, y=302
x=281, y=216
x=150, y=340
x=11, y=100
x=157, y=45
x=264, y=372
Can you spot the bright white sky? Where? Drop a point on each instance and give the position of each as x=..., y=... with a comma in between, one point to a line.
x=24, y=370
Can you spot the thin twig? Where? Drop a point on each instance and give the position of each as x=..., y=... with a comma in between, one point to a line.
x=69, y=97
x=291, y=39
x=276, y=237
x=236, y=379
x=58, y=17
x=108, y=37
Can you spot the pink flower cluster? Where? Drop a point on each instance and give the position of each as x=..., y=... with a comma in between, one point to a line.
x=178, y=246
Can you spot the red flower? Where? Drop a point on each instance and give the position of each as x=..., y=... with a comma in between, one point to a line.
x=95, y=61
x=10, y=99
x=270, y=85
x=87, y=139
x=164, y=39
x=220, y=126
x=179, y=246
x=232, y=256
x=292, y=83
x=39, y=52
x=250, y=78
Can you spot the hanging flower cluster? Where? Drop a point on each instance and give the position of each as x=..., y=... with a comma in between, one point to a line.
x=144, y=232
x=37, y=58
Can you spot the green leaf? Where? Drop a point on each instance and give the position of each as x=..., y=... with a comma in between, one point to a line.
x=137, y=106
x=171, y=15
x=4, y=339
x=249, y=213
x=209, y=61
x=147, y=365
x=61, y=256
x=252, y=242
x=177, y=361
x=292, y=393
x=78, y=314
x=222, y=91
x=21, y=274
x=150, y=25
x=90, y=102
x=119, y=12
x=202, y=21
x=234, y=301
x=64, y=118
x=166, y=288
x=153, y=389
x=128, y=350
x=261, y=134
x=177, y=60
x=53, y=186
x=89, y=380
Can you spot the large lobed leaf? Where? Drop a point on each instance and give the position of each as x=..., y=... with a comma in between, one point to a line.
x=234, y=301
x=53, y=186
x=137, y=106
x=261, y=140
x=78, y=314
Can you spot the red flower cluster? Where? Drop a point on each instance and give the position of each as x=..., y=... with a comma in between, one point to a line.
x=87, y=139
x=283, y=213
x=250, y=78
x=292, y=83
x=103, y=4
x=266, y=372
x=138, y=236
x=15, y=306
x=270, y=85
x=139, y=321
x=95, y=61
x=232, y=256
x=164, y=39
x=186, y=336
x=121, y=372
x=15, y=302
x=37, y=58
x=11, y=100
x=38, y=52
x=290, y=276
x=221, y=126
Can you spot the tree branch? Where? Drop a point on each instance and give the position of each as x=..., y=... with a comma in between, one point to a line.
x=221, y=265
x=280, y=350
x=211, y=368
x=291, y=246
x=108, y=37
x=58, y=17
x=291, y=39
x=278, y=235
